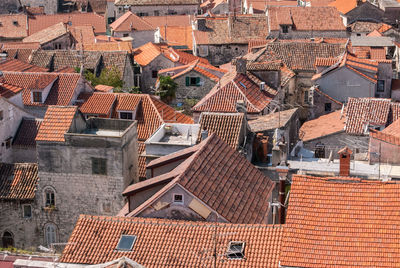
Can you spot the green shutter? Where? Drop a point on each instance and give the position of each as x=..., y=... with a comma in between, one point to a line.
x=197, y=81
x=187, y=81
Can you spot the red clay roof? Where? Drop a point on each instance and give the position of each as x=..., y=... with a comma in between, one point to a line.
x=27, y=132
x=169, y=243
x=236, y=190
x=13, y=26
x=129, y=22
x=7, y=90
x=169, y=20
x=226, y=125
x=306, y=18
x=233, y=87
x=61, y=92
x=99, y=104
x=14, y=65
x=18, y=181
x=341, y=222
x=206, y=70
x=104, y=88
x=142, y=160
x=322, y=126
x=40, y=22
x=362, y=112
x=56, y=123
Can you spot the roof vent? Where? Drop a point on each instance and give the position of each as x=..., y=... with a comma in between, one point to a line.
x=126, y=242
x=235, y=250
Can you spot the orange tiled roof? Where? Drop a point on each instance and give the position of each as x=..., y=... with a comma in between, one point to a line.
x=109, y=46
x=104, y=88
x=344, y=6
x=341, y=222
x=389, y=138
x=228, y=126
x=234, y=87
x=129, y=22
x=146, y=53
x=142, y=160
x=178, y=36
x=13, y=26
x=361, y=112
x=61, y=92
x=14, y=65
x=27, y=132
x=306, y=18
x=56, y=123
x=7, y=90
x=233, y=178
x=169, y=20
x=189, y=244
x=206, y=70
x=48, y=34
x=18, y=181
x=99, y=104
x=82, y=34
x=322, y=126
x=40, y=22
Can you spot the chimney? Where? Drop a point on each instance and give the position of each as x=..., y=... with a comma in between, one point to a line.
x=283, y=175
x=344, y=157
x=241, y=107
x=262, y=86
x=241, y=67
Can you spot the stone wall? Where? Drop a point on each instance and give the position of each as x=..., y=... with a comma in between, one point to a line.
x=159, y=63
x=65, y=42
x=220, y=54
x=50, y=6
x=158, y=10
x=384, y=152
x=139, y=37
x=293, y=34
x=318, y=107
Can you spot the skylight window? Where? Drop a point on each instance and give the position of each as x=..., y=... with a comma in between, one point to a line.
x=235, y=250
x=126, y=242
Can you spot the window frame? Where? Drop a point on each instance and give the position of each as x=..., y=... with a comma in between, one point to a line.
x=174, y=199
x=329, y=106
x=7, y=142
x=120, y=240
x=285, y=29
x=154, y=73
x=380, y=83
x=190, y=79
x=126, y=113
x=1, y=115
x=99, y=164
x=34, y=96
x=53, y=233
x=233, y=254
x=49, y=197
x=23, y=211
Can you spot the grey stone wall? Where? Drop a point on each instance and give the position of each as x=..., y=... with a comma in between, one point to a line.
x=65, y=42
x=24, y=155
x=139, y=37
x=128, y=75
x=294, y=34
x=159, y=63
x=318, y=107
x=158, y=10
x=221, y=54
x=50, y=6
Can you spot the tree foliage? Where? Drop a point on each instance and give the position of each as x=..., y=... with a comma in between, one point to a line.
x=108, y=76
x=167, y=88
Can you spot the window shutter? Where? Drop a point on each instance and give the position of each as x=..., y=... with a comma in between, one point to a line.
x=197, y=81
x=187, y=81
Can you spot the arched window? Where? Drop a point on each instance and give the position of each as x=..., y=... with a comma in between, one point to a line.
x=50, y=197
x=7, y=240
x=50, y=232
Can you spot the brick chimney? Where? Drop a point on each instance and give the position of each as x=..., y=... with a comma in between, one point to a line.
x=344, y=157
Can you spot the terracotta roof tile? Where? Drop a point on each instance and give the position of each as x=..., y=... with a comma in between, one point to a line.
x=206, y=70
x=104, y=88
x=233, y=178
x=99, y=104
x=362, y=112
x=234, y=87
x=178, y=36
x=7, y=90
x=155, y=3
x=47, y=34
x=27, y=132
x=322, y=126
x=227, y=126
x=129, y=22
x=306, y=18
x=56, y=123
x=344, y=6
x=14, y=65
x=386, y=137
x=170, y=20
x=146, y=53
x=341, y=222
x=19, y=45
x=366, y=26
x=189, y=244
x=40, y=22
x=272, y=120
x=109, y=46
x=227, y=30
x=13, y=26
x=18, y=181
x=82, y=34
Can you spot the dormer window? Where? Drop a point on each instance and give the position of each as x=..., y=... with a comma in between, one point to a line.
x=178, y=198
x=235, y=250
x=126, y=115
x=37, y=96
x=126, y=242
x=285, y=28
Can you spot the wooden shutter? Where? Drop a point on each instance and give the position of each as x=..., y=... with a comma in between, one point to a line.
x=187, y=81
x=197, y=81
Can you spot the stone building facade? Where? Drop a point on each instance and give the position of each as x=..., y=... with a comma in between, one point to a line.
x=50, y=6
x=154, y=9
x=149, y=73
x=86, y=174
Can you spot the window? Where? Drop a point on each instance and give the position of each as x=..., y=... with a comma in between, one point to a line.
x=328, y=107
x=126, y=242
x=8, y=143
x=154, y=74
x=50, y=198
x=1, y=115
x=57, y=46
x=125, y=115
x=285, y=28
x=15, y=23
x=125, y=35
x=27, y=211
x=156, y=13
x=235, y=250
x=192, y=81
x=99, y=166
x=37, y=96
x=306, y=96
x=7, y=240
x=380, y=87
x=178, y=198
x=50, y=233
